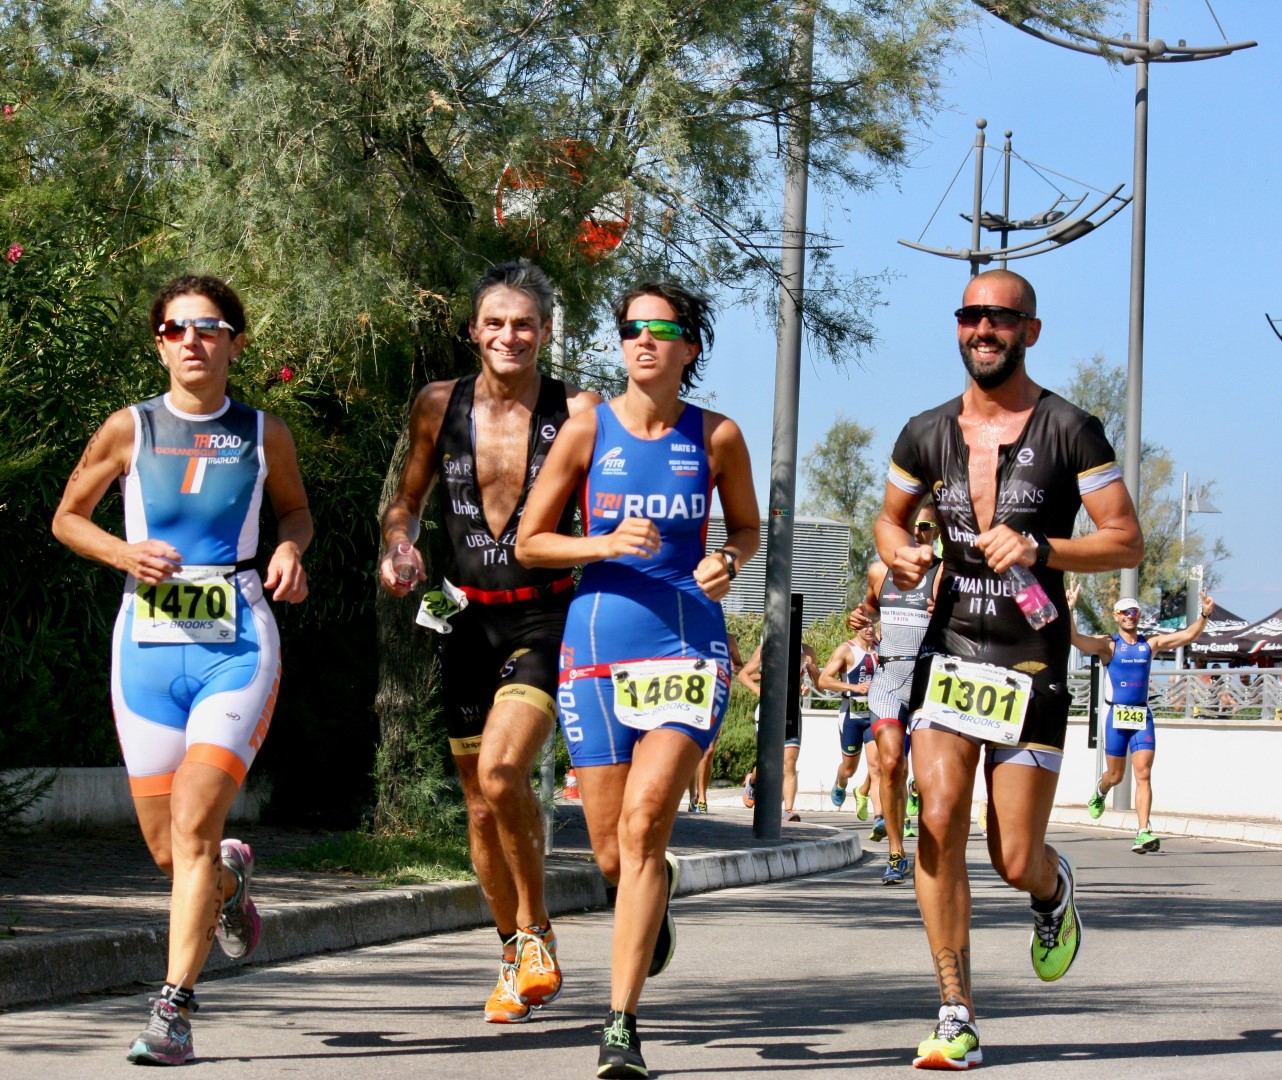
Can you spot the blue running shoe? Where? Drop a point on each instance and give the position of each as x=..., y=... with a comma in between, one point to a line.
x=878, y=830
x=838, y=796
x=896, y=869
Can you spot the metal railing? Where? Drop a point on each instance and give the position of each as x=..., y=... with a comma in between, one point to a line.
x=1216, y=694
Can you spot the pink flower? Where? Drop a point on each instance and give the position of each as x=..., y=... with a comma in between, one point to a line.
x=15, y=253
x=8, y=110
x=286, y=373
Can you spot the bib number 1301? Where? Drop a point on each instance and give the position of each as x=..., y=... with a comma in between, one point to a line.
x=650, y=693
x=982, y=700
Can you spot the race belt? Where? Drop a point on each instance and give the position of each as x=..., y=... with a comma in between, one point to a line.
x=512, y=596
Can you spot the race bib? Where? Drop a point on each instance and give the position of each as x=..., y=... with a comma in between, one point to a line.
x=650, y=693
x=981, y=700
x=197, y=606
x=1130, y=717
x=441, y=605
x=858, y=704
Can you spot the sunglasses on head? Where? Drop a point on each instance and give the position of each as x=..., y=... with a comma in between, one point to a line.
x=1003, y=318
x=925, y=525
x=660, y=329
x=1132, y=611
x=206, y=328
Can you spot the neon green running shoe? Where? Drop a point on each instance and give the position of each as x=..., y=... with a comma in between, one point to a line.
x=908, y=827
x=861, y=806
x=1145, y=842
x=1096, y=804
x=1057, y=935
x=913, y=806
x=954, y=1044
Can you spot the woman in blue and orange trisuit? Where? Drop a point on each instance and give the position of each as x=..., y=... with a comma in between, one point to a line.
x=195, y=653
x=644, y=465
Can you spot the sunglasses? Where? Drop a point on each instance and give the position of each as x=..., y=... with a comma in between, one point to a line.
x=1133, y=612
x=1003, y=318
x=925, y=525
x=206, y=328
x=660, y=329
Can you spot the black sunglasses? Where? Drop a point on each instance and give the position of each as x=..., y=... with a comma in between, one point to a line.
x=1002, y=317
x=925, y=525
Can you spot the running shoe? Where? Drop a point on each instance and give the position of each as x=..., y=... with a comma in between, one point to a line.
x=908, y=827
x=878, y=830
x=954, y=1044
x=896, y=869
x=166, y=1040
x=239, y=925
x=791, y=815
x=1095, y=806
x=701, y=807
x=505, y=1005
x=861, y=806
x=538, y=975
x=1057, y=935
x=1145, y=842
x=620, y=1054
x=913, y=807
x=749, y=792
x=983, y=818
x=838, y=795
x=666, y=943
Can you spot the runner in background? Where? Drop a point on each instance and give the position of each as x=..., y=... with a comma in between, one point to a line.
x=1128, y=726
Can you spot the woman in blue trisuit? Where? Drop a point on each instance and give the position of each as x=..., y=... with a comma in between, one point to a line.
x=645, y=668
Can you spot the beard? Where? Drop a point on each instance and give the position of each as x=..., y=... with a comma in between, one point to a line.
x=996, y=371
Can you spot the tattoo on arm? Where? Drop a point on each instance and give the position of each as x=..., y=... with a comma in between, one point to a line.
x=952, y=969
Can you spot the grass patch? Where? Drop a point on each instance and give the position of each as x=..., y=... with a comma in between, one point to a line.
x=392, y=859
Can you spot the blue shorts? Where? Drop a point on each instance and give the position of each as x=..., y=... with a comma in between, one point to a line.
x=855, y=730
x=595, y=736
x=1117, y=743
x=650, y=621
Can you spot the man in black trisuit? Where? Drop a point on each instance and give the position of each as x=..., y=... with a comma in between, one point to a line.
x=1007, y=465
x=486, y=437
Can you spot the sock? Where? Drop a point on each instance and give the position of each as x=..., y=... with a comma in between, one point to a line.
x=1045, y=907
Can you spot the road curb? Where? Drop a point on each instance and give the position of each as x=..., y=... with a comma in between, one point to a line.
x=1261, y=833
x=57, y=966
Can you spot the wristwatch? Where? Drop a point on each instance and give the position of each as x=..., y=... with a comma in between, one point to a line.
x=731, y=561
x=1043, y=548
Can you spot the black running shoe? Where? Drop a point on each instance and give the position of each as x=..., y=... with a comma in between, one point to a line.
x=620, y=1055
x=666, y=943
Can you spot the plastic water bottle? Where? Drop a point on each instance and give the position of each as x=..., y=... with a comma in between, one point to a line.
x=403, y=563
x=1031, y=597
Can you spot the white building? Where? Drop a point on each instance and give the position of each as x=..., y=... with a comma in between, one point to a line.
x=820, y=568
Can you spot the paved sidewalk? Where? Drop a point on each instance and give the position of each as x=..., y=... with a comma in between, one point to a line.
x=88, y=913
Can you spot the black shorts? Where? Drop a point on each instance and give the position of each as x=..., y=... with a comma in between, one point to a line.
x=1046, y=724
x=499, y=652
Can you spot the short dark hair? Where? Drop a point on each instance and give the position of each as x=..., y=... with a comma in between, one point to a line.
x=520, y=274
x=694, y=313
x=223, y=296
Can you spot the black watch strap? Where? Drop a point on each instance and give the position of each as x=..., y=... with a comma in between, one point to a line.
x=732, y=563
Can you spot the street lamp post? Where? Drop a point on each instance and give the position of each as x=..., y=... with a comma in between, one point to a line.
x=1140, y=52
x=1190, y=504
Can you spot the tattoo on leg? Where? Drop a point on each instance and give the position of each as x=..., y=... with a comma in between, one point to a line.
x=952, y=969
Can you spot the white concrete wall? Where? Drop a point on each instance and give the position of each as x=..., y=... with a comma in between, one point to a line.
x=1219, y=768
x=84, y=798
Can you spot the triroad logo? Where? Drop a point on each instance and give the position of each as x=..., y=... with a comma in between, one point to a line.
x=216, y=442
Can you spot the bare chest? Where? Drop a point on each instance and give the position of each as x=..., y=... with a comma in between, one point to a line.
x=984, y=437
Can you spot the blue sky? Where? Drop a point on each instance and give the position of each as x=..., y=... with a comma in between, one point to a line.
x=1211, y=386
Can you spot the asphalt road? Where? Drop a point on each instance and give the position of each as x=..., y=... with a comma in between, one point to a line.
x=814, y=977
